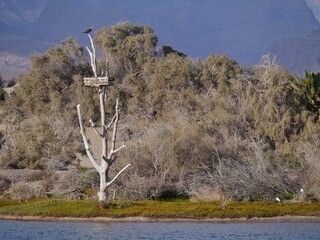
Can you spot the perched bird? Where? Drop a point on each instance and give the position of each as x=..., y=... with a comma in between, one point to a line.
x=88, y=30
x=301, y=191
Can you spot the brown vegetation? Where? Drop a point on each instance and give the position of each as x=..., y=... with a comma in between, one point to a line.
x=207, y=129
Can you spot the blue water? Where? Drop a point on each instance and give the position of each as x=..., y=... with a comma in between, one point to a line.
x=75, y=230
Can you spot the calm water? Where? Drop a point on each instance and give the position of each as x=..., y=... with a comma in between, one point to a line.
x=71, y=230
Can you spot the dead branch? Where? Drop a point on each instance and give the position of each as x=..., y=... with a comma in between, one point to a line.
x=108, y=183
x=85, y=141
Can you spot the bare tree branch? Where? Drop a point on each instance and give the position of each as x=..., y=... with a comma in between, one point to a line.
x=116, y=150
x=92, y=57
x=108, y=183
x=112, y=120
x=115, y=126
x=94, y=127
x=85, y=141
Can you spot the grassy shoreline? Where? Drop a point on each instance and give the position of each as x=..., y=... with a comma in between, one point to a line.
x=175, y=210
x=282, y=219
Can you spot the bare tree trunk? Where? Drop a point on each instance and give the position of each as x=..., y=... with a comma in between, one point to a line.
x=106, y=159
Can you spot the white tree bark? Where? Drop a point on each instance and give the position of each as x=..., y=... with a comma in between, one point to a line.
x=107, y=159
x=92, y=57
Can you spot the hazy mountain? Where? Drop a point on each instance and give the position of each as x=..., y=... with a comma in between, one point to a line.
x=315, y=7
x=243, y=29
x=299, y=53
x=21, y=11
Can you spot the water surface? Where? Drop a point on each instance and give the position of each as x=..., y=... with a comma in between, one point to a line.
x=172, y=230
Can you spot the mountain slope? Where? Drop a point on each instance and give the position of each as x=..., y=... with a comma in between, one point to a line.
x=299, y=53
x=243, y=29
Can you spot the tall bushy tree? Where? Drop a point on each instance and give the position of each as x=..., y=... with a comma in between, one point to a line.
x=41, y=113
x=127, y=46
x=252, y=120
x=171, y=84
x=47, y=85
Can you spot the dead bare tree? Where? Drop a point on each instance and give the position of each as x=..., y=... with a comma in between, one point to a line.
x=107, y=155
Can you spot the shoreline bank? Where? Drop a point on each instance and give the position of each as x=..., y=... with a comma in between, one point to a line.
x=290, y=219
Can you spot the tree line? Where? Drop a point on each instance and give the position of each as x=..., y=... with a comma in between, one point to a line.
x=207, y=129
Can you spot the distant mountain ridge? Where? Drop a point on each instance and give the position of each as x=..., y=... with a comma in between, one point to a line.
x=21, y=11
x=299, y=53
x=243, y=29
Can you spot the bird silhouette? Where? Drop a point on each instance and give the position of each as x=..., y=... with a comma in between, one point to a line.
x=88, y=30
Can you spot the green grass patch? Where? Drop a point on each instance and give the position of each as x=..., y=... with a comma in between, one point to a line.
x=155, y=209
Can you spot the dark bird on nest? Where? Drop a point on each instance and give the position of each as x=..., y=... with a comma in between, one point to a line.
x=88, y=30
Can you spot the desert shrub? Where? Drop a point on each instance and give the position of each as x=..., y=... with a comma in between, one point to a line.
x=4, y=183
x=73, y=184
x=219, y=72
x=1, y=139
x=2, y=94
x=152, y=170
x=23, y=191
x=236, y=134
x=205, y=193
x=206, y=128
x=42, y=115
x=251, y=176
x=307, y=151
x=36, y=175
x=43, y=142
